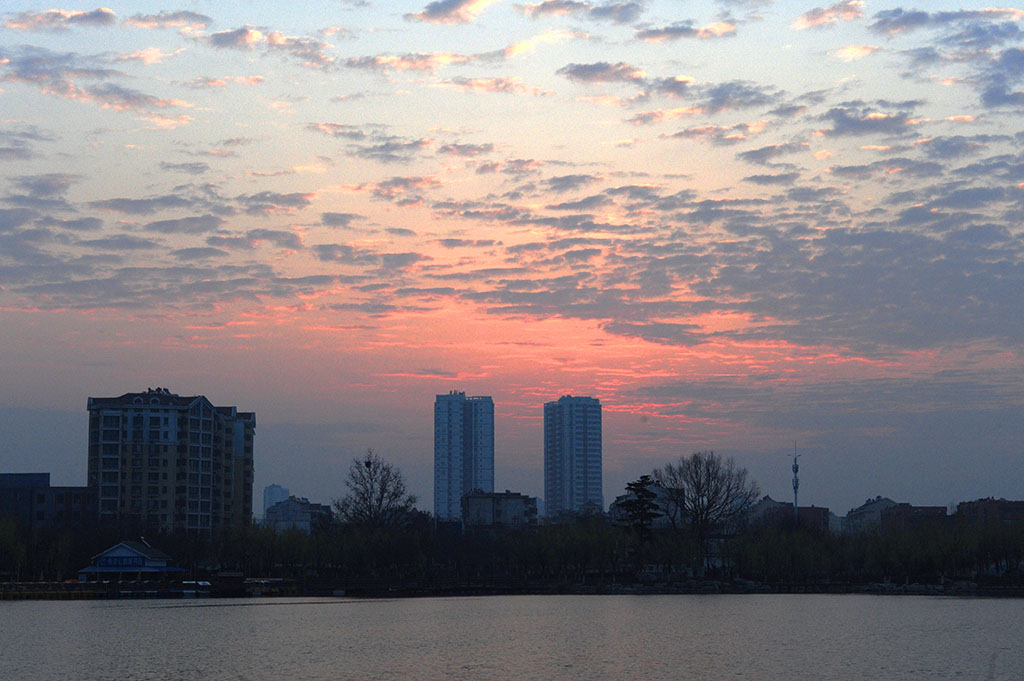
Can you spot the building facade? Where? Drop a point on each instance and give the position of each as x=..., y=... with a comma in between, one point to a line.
x=33, y=503
x=170, y=462
x=463, y=450
x=572, y=455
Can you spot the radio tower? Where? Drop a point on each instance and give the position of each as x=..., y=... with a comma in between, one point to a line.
x=796, y=482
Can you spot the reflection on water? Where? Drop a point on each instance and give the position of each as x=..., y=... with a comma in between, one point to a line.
x=554, y=638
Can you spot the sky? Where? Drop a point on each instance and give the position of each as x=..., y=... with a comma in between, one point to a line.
x=745, y=226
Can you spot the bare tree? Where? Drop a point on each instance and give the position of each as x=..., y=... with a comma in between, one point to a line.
x=376, y=494
x=703, y=492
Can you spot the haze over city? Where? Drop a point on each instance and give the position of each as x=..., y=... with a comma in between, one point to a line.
x=743, y=226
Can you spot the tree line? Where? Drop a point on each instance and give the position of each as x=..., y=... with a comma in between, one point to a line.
x=378, y=539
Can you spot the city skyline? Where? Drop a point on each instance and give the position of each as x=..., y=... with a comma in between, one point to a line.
x=739, y=225
x=568, y=447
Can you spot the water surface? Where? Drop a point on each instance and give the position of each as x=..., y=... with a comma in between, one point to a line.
x=518, y=638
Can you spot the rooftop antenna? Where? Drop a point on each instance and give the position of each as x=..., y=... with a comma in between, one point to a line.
x=796, y=482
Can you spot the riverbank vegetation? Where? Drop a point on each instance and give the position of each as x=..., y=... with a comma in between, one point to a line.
x=589, y=550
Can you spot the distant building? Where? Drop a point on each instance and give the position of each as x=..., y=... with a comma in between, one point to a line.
x=773, y=513
x=903, y=517
x=493, y=510
x=29, y=499
x=572, y=455
x=273, y=494
x=463, y=450
x=297, y=513
x=761, y=512
x=171, y=462
x=130, y=560
x=867, y=517
x=990, y=511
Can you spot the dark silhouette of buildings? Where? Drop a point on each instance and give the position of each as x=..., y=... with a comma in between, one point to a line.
x=493, y=510
x=297, y=513
x=904, y=517
x=33, y=503
x=990, y=511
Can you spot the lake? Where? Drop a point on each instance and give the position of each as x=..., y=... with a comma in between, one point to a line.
x=549, y=638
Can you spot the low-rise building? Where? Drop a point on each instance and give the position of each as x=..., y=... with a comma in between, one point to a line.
x=130, y=560
x=493, y=510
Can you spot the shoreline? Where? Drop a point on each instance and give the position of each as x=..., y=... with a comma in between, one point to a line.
x=20, y=591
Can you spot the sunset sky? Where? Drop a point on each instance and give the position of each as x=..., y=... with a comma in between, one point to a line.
x=743, y=225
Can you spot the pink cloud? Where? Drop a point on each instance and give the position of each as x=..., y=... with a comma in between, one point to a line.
x=451, y=11
x=823, y=17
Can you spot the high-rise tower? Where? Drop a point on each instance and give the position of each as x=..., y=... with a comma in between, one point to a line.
x=463, y=450
x=572, y=454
